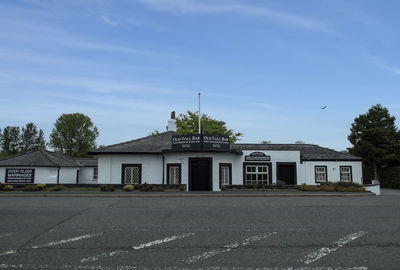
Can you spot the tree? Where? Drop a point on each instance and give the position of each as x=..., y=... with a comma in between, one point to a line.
x=74, y=134
x=11, y=140
x=300, y=142
x=31, y=139
x=375, y=138
x=265, y=142
x=189, y=124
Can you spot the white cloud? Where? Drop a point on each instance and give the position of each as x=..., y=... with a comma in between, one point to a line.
x=108, y=20
x=197, y=7
x=382, y=63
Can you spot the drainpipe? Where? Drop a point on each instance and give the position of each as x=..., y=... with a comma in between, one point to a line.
x=58, y=175
x=163, y=168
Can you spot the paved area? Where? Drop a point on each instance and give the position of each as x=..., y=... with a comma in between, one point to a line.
x=201, y=233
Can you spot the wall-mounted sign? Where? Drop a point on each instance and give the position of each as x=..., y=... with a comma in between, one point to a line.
x=198, y=142
x=20, y=176
x=186, y=142
x=257, y=156
x=216, y=142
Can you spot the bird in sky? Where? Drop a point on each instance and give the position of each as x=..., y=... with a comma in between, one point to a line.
x=323, y=108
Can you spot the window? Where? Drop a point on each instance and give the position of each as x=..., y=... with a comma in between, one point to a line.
x=174, y=174
x=345, y=174
x=131, y=174
x=95, y=174
x=256, y=174
x=321, y=174
x=225, y=174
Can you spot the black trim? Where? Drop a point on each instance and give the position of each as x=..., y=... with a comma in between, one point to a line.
x=211, y=169
x=351, y=172
x=315, y=173
x=169, y=165
x=287, y=163
x=230, y=172
x=6, y=180
x=269, y=164
x=130, y=165
x=355, y=160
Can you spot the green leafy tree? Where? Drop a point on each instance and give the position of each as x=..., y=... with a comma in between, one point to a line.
x=189, y=124
x=375, y=138
x=74, y=134
x=265, y=142
x=11, y=140
x=31, y=138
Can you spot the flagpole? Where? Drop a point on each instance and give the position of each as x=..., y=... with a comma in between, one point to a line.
x=199, y=116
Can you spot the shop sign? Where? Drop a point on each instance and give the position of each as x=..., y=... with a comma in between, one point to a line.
x=20, y=176
x=186, y=142
x=216, y=142
x=198, y=142
x=257, y=156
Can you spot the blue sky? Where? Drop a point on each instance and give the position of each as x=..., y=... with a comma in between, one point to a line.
x=264, y=67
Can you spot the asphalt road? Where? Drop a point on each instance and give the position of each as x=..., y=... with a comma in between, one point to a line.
x=209, y=233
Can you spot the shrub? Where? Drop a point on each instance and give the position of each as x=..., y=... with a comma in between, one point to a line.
x=8, y=188
x=2, y=186
x=326, y=187
x=30, y=188
x=280, y=184
x=41, y=186
x=145, y=187
x=57, y=188
x=182, y=188
x=305, y=187
x=107, y=188
x=348, y=184
x=128, y=188
x=326, y=183
x=158, y=189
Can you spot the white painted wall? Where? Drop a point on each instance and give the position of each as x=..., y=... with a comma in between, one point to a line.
x=110, y=167
x=47, y=175
x=333, y=171
x=86, y=175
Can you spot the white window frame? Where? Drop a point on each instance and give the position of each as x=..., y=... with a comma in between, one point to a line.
x=95, y=174
x=319, y=173
x=257, y=174
x=346, y=174
x=178, y=173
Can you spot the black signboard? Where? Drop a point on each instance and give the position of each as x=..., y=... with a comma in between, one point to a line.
x=186, y=142
x=257, y=156
x=20, y=176
x=198, y=142
x=216, y=142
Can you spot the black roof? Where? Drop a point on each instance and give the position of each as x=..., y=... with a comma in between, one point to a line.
x=87, y=162
x=39, y=158
x=155, y=144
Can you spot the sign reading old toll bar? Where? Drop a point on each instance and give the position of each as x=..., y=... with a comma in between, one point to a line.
x=20, y=176
x=186, y=142
x=216, y=142
x=198, y=142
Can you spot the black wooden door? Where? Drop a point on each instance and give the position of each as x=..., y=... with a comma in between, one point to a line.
x=287, y=173
x=200, y=174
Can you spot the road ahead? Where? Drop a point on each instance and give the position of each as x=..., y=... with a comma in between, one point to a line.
x=210, y=233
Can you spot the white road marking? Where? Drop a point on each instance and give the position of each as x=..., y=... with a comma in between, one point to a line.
x=8, y=252
x=5, y=235
x=128, y=267
x=64, y=241
x=316, y=255
x=228, y=248
x=149, y=244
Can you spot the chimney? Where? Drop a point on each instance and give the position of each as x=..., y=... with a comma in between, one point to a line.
x=172, y=123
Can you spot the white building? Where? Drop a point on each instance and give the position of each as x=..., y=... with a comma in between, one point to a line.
x=45, y=167
x=205, y=162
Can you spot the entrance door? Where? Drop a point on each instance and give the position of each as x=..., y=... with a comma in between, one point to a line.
x=200, y=174
x=286, y=172
x=131, y=174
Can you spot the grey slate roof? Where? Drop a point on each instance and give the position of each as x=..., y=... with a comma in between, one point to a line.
x=39, y=158
x=87, y=162
x=158, y=143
